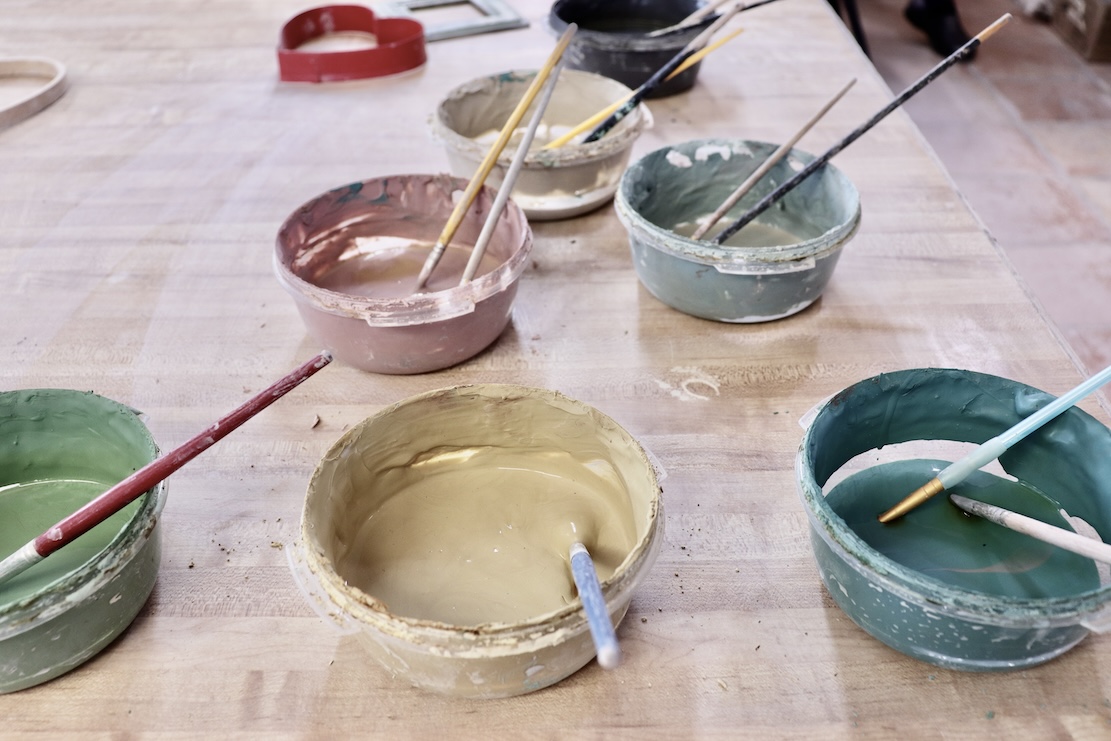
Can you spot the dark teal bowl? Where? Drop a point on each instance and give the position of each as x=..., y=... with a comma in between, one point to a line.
x=1069, y=459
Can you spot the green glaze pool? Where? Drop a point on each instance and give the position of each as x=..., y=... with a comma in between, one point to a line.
x=58, y=450
x=941, y=542
x=938, y=585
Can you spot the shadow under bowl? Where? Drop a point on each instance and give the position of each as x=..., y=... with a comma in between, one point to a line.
x=942, y=615
x=438, y=529
x=772, y=268
x=350, y=260
x=59, y=449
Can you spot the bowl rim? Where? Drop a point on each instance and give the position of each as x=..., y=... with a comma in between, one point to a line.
x=421, y=308
x=553, y=626
x=58, y=597
x=910, y=584
x=620, y=139
x=709, y=253
x=626, y=42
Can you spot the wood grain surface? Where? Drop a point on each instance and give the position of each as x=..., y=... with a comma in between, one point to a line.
x=137, y=223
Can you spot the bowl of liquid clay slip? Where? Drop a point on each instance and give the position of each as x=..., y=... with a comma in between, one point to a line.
x=350, y=259
x=438, y=530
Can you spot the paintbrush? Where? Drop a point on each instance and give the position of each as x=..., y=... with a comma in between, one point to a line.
x=601, y=115
x=691, y=20
x=509, y=179
x=138, y=483
x=985, y=453
x=491, y=159
x=594, y=605
x=1043, y=531
x=699, y=15
x=807, y=171
x=659, y=76
x=768, y=164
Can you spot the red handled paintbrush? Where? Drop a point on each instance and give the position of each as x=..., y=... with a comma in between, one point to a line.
x=138, y=483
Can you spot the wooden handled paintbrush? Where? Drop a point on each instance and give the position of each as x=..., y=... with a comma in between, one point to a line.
x=767, y=201
x=119, y=496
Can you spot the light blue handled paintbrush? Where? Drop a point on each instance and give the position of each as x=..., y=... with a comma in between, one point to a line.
x=957, y=472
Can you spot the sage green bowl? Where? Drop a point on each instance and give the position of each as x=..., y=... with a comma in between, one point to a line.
x=924, y=617
x=772, y=268
x=58, y=449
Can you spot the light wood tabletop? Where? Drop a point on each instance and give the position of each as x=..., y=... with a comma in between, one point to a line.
x=137, y=221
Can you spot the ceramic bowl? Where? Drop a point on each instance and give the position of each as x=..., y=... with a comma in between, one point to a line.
x=923, y=612
x=772, y=268
x=613, y=40
x=350, y=259
x=398, y=515
x=59, y=449
x=553, y=183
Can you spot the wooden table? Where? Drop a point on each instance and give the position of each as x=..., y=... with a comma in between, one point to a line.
x=137, y=221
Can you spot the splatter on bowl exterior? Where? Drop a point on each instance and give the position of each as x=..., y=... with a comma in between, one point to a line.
x=419, y=333
x=553, y=183
x=907, y=610
x=613, y=40
x=494, y=659
x=65, y=623
x=675, y=185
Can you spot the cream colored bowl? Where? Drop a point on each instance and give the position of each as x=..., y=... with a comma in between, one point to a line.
x=490, y=457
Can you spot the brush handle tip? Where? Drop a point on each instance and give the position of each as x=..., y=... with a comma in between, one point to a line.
x=594, y=605
x=987, y=32
x=609, y=656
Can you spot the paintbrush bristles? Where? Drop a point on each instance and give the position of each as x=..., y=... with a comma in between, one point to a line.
x=988, y=451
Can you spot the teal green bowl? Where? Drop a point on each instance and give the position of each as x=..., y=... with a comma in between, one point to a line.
x=59, y=449
x=915, y=611
x=774, y=267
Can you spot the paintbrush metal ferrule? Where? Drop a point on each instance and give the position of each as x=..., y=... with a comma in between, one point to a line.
x=916, y=498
